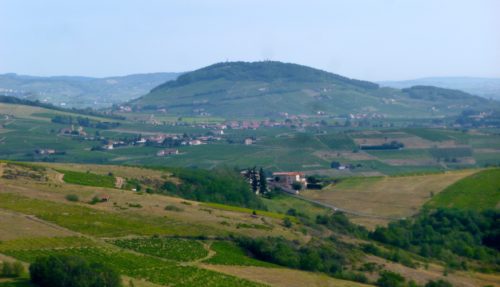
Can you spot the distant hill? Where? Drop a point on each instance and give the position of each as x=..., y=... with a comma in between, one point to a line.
x=485, y=87
x=75, y=91
x=243, y=89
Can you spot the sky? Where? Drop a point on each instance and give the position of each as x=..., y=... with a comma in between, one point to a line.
x=363, y=39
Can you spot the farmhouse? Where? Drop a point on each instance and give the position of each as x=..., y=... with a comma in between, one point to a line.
x=288, y=178
x=45, y=151
x=248, y=141
x=165, y=152
x=195, y=142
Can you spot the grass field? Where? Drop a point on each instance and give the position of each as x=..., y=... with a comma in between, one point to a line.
x=14, y=226
x=90, y=221
x=247, y=210
x=479, y=191
x=283, y=277
x=393, y=197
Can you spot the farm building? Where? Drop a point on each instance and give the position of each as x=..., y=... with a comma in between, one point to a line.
x=288, y=178
x=165, y=152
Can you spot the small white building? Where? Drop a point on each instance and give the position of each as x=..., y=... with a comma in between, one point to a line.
x=165, y=152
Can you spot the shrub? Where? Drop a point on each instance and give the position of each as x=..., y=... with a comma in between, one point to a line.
x=390, y=279
x=72, y=197
x=11, y=269
x=287, y=222
x=172, y=207
x=438, y=283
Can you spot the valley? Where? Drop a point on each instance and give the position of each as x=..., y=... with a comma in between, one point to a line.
x=257, y=174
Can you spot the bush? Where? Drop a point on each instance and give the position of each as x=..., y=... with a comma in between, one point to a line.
x=63, y=270
x=11, y=269
x=72, y=197
x=172, y=207
x=438, y=283
x=390, y=279
x=287, y=222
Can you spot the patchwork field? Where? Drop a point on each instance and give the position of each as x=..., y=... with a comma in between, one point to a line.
x=26, y=129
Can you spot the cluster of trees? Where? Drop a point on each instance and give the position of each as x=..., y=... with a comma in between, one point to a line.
x=434, y=93
x=11, y=269
x=392, y=279
x=63, y=271
x=84, y=122
x=447, y=234
x=257, y=179
x=468, y=119
x=221, y=185
x=385, y=146
x=450, y=154
x=326, y=256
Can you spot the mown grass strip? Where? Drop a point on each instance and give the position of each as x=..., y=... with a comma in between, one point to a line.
x=248, y=211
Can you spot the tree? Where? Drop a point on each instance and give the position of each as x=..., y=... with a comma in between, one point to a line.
x=287, y=222
x=335, y=164
x=255, y=182
x=390, y=279
x=262, y=181
x=297, y=185
x=11, y=269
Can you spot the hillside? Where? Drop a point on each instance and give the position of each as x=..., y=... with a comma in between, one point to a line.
x=484, y=87
x=479, y=191
x=236, y=89
x=156, y=239
x=75, y=91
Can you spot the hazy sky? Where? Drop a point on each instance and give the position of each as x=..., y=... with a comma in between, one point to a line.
x=372, y=40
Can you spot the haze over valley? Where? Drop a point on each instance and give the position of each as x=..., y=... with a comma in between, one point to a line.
x=267, y=150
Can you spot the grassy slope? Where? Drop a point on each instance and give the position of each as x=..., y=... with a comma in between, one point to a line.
x=106, y=217
x=395, y=197
x=97, y=221
x=478, y=192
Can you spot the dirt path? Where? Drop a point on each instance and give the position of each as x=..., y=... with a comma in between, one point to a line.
x=60, y=177
x=119, y=181
x=199, y=261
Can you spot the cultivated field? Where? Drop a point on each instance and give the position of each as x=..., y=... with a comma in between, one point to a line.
x=385, y=198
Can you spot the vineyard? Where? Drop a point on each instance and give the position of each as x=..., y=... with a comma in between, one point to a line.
x=153, y=269
x=87, y=178
x=176, y=249
x=227, y=253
